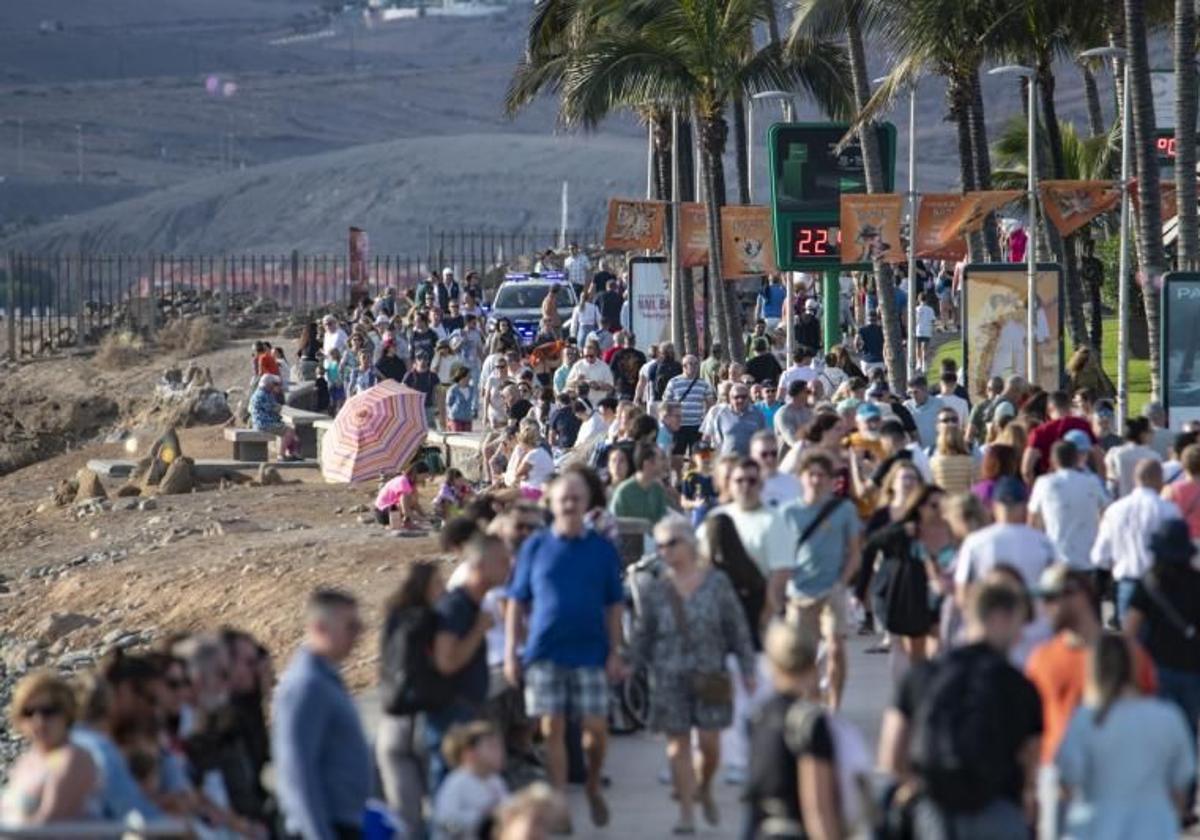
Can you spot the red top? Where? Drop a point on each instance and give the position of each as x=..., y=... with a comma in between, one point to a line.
x=1051, y=432
x=267, y=363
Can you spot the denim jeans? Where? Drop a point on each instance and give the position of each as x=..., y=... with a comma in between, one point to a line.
x=1183, y=689
x=1125, y=587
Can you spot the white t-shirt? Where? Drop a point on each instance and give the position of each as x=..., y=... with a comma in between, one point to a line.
x=335, y=340
x=765, y=535
x=958, y=404
x=1070, y=503
x=925, y=318
x=462, y=803
x=1026, y=549
x=596, y=371
x=780, y=489
x=586, y=317
x=541, y=466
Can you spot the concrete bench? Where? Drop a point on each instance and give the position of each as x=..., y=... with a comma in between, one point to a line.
x=320, y=427
x=460, y=450
x=302, y=423
x=248, y=444
x=301, y=395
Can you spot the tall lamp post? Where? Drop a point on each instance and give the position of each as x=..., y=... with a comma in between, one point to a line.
x=1123, y=259
x=911, y=315
x=1030, y=77
x=789, y=115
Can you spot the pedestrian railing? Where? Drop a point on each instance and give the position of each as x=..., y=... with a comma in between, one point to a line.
x=131, y=829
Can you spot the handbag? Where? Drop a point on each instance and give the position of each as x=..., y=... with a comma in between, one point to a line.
x=713, y=688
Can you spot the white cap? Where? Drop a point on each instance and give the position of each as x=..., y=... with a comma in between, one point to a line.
x=811, y=304
x=447, y=272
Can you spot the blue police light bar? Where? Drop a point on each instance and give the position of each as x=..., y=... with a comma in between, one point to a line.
x=546, y=275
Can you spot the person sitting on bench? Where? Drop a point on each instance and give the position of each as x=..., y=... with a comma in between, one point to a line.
x=265, y=415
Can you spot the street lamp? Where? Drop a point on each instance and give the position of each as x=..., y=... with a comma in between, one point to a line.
x=1123, y=259
x=911, y=319
x=1030, y=76
x=789, y=115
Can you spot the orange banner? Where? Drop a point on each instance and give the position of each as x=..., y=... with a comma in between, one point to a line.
x=693, y=235
x=933, y=213
x=1072, y=204
x=870, y=227
x=635, y=225
x=974, y=208
x=747, y=241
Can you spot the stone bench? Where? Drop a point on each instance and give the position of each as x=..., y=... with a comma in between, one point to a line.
x=320, y=427
x=248, y=444
x=460, y=450
x=302, y=423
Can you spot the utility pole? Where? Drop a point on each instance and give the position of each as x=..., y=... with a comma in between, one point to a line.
x=20, y=144
x=79, y=150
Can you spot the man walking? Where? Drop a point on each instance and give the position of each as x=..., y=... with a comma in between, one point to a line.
x=826, y=533
x=733, y=429
x=1067, y=505
x=1008, y=540
x=778, y=488
x=642, y=495
x=924, y=409
x=566, y=588
x=695, y=396
x=322, y=763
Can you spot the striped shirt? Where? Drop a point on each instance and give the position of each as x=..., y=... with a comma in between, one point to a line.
x=693, y=399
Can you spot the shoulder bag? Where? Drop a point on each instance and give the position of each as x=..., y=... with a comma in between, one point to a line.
x=713, y=688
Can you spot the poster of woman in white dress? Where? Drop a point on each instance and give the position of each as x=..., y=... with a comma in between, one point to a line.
x=995, y=325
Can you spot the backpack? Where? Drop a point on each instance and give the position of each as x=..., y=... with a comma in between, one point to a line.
x=957, y=747
x=664, y=371
x=408, y=681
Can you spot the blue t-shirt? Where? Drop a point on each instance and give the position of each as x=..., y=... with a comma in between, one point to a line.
x=819, y=562
x=872, y=343
x=772, y=298
x=568, y=583
x=457, y=614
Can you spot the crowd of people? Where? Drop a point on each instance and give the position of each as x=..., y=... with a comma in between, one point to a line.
x=1028, y=573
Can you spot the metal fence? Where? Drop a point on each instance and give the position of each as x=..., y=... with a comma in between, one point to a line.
x=52, y=303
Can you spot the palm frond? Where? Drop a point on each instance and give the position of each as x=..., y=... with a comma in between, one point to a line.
x=904, y=74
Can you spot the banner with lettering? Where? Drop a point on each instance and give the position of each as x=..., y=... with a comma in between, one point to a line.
x=933, y=213
x=1072, y=204
x=747, y=241
x=635, y=225
x=693, y=235
x=870, y=227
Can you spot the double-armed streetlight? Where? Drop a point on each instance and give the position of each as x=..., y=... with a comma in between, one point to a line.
x=1030, y=76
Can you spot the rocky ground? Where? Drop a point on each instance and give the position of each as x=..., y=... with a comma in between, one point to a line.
x=79, y=578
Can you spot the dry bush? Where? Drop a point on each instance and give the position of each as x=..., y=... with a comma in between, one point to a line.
x=192, y=337
x=119, y=351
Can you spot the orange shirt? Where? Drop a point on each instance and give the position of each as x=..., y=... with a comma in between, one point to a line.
x=267, y=363
x=1059, y=670
x=1185, y=493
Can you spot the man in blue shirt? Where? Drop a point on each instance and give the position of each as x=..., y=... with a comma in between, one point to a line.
x=816, y=574
x=769, y=305
x=322, y=763
x=566, y=589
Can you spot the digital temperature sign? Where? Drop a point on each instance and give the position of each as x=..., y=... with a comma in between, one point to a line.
x=1164, y=147
x=817, y=242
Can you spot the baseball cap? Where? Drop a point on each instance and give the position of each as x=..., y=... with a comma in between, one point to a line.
x=1004, y=411
x=868, y=411
x=1056, y=578
x=1009, y=490
x=848, y=404
x=382, y=320
x=1079, y=438
x=810, y=305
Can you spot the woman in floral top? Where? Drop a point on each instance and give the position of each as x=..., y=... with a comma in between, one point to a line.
x=688, y=619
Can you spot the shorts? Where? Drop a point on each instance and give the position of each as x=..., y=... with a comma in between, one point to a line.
x=685, y=438
x=460, y=425
x=824, y=617
x=675, y=708
x=337, y=393
x=923, y=340
x=552, y=690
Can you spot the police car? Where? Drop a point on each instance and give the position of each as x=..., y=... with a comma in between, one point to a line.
x=519, y=299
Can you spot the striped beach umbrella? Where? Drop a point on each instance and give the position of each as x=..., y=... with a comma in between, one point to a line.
x=376, y=432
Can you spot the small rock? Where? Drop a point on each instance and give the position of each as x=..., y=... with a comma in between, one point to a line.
x=366, y=519
x=89, y=485
x=58, y=625
x=147, y=504
x=384, y=568
x=94, y=534
x=358, y=509
x=75, y=660
x=127, y=503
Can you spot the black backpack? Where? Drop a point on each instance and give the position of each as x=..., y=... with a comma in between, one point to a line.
x=664, y=371
x=408, y=681
x=958, y=742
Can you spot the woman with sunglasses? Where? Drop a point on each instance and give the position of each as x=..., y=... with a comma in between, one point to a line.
x=53, y=780
x=689, y=620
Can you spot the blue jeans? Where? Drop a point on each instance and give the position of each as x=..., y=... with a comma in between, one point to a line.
x=437, y=724
x=1125, y=587
x=1183, y=689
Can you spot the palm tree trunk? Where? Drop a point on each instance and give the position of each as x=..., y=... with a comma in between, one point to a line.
x=966, y=160
x=1091, y=95
x=983, y=161
x=660, y=131
x=1151, y=256
x=1067, y=253
x=741, y=150
x=1188, y=247
x=893, y=346
x=712, y=149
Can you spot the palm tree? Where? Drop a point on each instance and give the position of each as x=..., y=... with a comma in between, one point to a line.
x=691, y=54
x=1151, y=255
x=826, y=19
x=1188, y=244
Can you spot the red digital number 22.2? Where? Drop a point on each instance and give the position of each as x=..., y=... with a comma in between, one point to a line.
x=813, y=241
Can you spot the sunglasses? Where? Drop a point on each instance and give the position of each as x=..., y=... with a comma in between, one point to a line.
x=746, y=480
x=671, y=543
x=769, y=453
x=953, y=421
x=47, y=711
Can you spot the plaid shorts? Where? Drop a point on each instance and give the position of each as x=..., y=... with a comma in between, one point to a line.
x=553, y=690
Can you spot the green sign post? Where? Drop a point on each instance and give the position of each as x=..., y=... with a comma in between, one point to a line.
x=809, y=176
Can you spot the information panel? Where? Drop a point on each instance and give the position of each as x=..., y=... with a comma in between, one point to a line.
x=1180, y=343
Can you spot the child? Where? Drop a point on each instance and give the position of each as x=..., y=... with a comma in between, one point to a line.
x=474, y=788
x=285, y=370
x=924, y=330
x=400, y=494
x=365, y=376
x=460, y=408
x=696, y=489
x=333, y=376
x=453, y=494
x=321, y=388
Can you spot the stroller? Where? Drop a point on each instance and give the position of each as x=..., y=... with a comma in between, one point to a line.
x=631, y=697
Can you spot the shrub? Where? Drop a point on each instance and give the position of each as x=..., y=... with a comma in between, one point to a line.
x=119, y=350
x=192, y=337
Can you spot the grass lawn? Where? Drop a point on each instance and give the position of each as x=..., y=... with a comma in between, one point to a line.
x=1139, y=369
